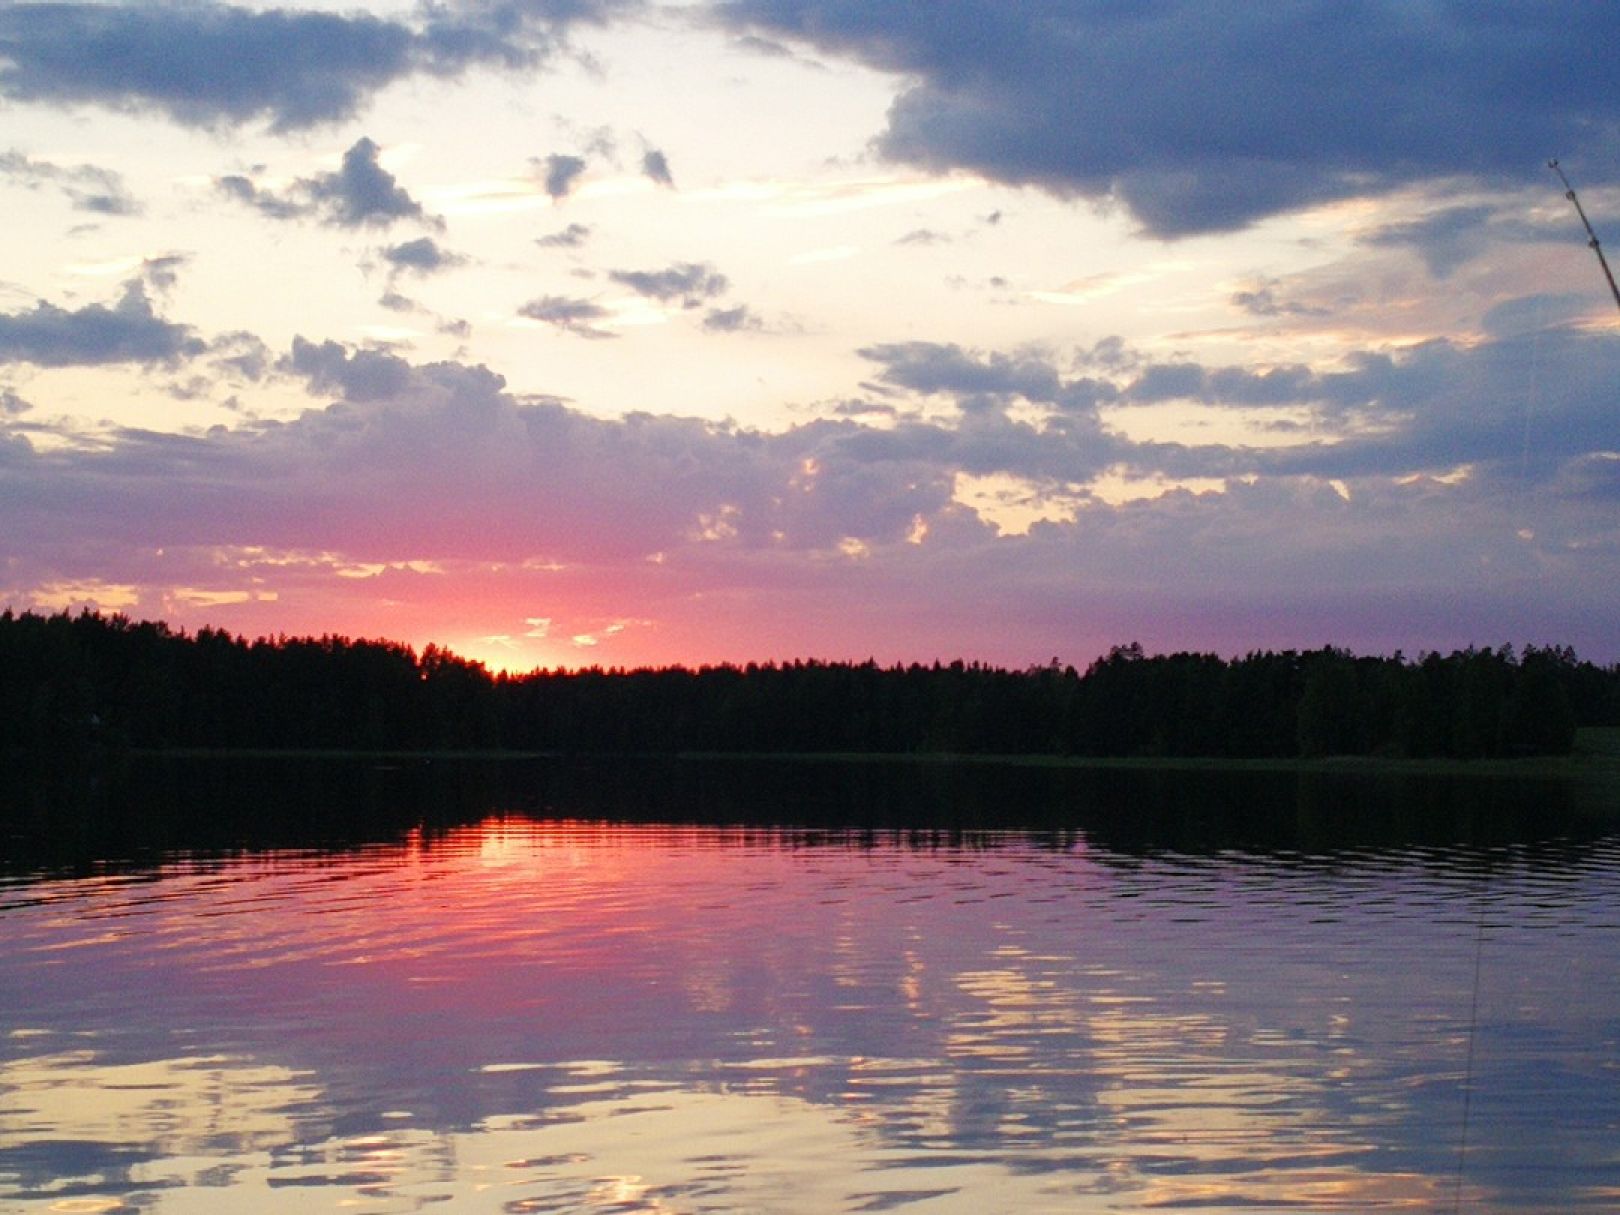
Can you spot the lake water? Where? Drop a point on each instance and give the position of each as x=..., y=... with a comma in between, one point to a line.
x=387, y=992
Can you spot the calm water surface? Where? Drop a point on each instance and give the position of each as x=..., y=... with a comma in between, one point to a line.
x=524, y=1014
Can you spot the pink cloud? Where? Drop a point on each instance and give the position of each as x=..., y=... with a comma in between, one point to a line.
x=430, y=504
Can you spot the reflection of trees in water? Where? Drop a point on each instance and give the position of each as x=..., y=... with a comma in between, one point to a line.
x=1152, y=1008
x=1122, y=812
x=140, y=810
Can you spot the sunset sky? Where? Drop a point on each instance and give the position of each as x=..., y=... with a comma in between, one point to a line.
x=572, y=332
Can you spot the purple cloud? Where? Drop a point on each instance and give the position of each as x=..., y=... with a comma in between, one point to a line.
x=1200, y=117
x=214, y=64
x=360, y=193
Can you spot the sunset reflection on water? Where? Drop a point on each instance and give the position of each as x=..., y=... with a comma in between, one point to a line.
x=525, y=1015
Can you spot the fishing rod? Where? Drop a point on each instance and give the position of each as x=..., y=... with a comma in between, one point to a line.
x=1480, y=903
x=1569, y=193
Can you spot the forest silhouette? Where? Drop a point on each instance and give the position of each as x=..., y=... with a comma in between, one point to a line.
x=69, y=682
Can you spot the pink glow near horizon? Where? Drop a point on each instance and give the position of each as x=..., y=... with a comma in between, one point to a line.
x=770, y=336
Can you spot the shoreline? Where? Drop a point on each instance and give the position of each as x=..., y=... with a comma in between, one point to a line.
x=1596, y=754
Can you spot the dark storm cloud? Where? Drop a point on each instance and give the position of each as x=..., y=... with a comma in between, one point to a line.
x=209, y=64
x=88, y=187
x=560, y=174
x=128, y=332
x=690, y=283
x=421, y=256
x=655, y=167
x=360, y=193
x=571, y=315
x=1205, y=117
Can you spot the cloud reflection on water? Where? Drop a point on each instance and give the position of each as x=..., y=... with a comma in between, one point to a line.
x=188, y=1134
x=519, y=1016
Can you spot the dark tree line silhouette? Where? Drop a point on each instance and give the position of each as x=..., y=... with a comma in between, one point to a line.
x=68, y=681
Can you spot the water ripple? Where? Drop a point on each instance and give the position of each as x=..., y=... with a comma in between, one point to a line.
x=526, y=1015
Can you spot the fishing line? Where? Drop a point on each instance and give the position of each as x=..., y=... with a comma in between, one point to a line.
x=1533, y=398
x=1473, y=1033
x=1524, y=483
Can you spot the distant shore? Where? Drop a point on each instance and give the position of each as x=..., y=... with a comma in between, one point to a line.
x=1596, y=753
